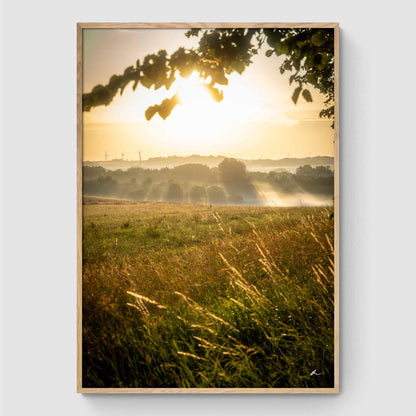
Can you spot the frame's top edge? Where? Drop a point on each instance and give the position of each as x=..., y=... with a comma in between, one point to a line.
x=185, y=25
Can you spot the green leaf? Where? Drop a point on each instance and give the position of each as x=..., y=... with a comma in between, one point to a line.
x=167, y=105
x=150, y=112
x=281, y=49
x=216, y=94
x=311, y=79
x=269, y=53
x=146, y=82
x=296, y=62
x=128, y=71
x=307, y=96
x=324, y=61
x=318, y=39
x=295, y=94
x=239, y=66
x=123, y=86
x=164, y=108
x=170, y=80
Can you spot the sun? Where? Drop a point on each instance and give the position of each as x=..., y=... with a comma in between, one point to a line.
x=199, y=117
x=192, y=92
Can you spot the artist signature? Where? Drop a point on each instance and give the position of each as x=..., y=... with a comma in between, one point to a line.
x=315, y=373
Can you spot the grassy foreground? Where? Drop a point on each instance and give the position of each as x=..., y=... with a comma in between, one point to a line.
x=182, y=295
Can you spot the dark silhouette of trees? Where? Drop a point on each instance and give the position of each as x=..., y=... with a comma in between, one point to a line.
x=197, y=194
x=284, y=182
x=233, y=175
x=141, y=193
x=317, y=180
x=155, y=193
x=214, y=176
x=137, y=195
x=232, y=171
x=104, y=185
x=194, y=171
x=233, y=184
x=92, y=172
x=317, y=171
x=305, y=170
x=308, y=57
x=216, y=195
x=174, y=193
x=147, y=183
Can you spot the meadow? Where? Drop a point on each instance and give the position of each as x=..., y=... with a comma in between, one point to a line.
x=188, y=295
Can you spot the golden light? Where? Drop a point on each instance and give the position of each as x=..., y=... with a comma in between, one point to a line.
x=199, y=118
x=192, y=91
x=199, y=125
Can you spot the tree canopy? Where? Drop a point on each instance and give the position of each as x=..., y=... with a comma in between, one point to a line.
x=308, y=58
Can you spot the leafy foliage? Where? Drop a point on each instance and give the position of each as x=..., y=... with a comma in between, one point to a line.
x=308, y=57
x=164, y=109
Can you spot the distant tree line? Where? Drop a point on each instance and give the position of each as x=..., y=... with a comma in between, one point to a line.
x=229, y=183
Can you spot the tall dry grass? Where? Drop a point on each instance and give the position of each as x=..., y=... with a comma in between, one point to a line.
x=231, y=297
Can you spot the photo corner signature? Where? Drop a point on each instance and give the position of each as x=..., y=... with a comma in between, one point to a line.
x=315, y=373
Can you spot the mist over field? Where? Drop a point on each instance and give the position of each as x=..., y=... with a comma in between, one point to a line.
x=229, y=182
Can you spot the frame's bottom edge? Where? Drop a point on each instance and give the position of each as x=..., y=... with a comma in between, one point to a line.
x=162, y=390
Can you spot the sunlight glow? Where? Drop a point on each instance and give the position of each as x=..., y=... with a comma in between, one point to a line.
x=191, y=91
x=199, y=117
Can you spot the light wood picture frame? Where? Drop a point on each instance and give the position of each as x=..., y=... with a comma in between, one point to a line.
x=107, y=220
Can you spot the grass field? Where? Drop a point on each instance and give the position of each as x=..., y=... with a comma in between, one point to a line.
x=183, y=295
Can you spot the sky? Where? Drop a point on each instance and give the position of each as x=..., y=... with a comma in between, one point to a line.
x=256, y=119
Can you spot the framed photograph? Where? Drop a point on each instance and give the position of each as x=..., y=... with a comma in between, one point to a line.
x=208, y=208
